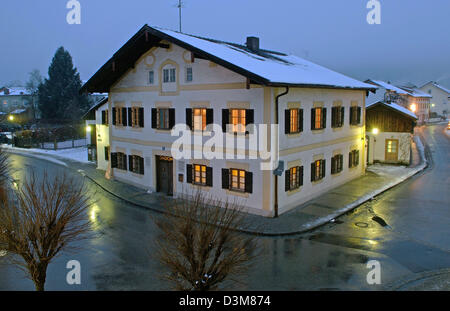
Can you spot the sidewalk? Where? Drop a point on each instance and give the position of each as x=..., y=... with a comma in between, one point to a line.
x=303, y=218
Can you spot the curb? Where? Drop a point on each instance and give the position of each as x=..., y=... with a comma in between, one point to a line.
x=309, y=226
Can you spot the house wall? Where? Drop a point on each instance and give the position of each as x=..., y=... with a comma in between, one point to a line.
x=377, y=147
x=440, y=100
x=310, y=145
x=218, y=88
x=102, y=137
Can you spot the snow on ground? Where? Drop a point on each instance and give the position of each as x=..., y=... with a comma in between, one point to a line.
x=76, y=154
x=386, y=170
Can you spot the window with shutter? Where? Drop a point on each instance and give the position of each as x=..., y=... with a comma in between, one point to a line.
x=318, y=170
x=318, y=118
x=294, y=178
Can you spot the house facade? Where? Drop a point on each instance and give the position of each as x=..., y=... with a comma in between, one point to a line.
x=440, y=101
x=389, y=129
x=284, y=130
x=409, y=97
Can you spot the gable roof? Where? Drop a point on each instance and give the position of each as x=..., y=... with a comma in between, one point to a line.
x=387, y=86
x=403, y=90
x=90, y=114
x=264, y=67
x=404, y=111
x=438, y=86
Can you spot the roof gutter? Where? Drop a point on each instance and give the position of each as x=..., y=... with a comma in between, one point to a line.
x=275, y=207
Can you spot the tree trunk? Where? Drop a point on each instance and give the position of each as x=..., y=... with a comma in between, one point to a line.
x=39, y=276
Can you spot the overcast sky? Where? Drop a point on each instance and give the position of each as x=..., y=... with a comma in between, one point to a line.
x=412, y=43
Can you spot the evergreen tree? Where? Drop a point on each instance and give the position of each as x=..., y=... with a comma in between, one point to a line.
x=58, y=95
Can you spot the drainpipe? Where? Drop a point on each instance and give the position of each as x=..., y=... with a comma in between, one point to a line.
x=276, y=177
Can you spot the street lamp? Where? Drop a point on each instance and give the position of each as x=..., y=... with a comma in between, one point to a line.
x=413, y=108
x=11, y=118
x=88, y=129
x=375, y=131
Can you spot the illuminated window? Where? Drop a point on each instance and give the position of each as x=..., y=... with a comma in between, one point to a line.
x=199, y=119
x=318, y=119
x=237, y=180
x=353, y=158
x=199, y=174
x=136, y=164
x=392, y=146
x=294, y=178
x=294, y=128
x=317, y=170
x=238, y=121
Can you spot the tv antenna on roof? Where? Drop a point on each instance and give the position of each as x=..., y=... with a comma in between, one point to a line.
x=180, y=5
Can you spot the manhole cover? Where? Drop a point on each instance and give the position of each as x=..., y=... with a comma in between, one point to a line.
x=361, y=224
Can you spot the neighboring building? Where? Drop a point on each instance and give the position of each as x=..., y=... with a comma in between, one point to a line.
x=97, y=135
x=407, y=96
x=161, y=78
x=12, y=98
x=389, y=130
x=440, y=101
x=21, y=116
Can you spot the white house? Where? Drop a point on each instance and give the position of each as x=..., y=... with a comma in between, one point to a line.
x=440, y=98
x=162, y=79
x=389, y=129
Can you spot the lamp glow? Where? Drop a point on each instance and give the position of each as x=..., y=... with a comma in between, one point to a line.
x=11, y=118
x=375, y=131
x=413, y=107
x=88, y=129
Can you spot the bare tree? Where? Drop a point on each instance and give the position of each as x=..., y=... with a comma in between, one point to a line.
x=33, y=83
x=201, y=245
x=42, y=219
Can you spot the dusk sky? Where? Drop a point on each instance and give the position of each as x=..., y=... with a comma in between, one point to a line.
x=411, y=43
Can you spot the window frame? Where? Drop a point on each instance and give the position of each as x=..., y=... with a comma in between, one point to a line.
x=202, y=174
x=240, y=181
x=195, y=118
x=189, y=74
x=151, y=77
x=240, y=119
x=121, y=160
x=166, y=118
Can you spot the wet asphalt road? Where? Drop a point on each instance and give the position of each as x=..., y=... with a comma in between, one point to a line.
x=333, y=257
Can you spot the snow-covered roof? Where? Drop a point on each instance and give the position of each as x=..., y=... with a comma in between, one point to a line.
x=273, y=66
x=395, y=107
x=14, y=91
x=416, y=92
x=438, y=86
x=388, y=86
x=259, y=66
x=18, y=111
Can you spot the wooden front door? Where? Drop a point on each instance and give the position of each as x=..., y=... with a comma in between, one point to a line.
x=164, y=171
x=391, y=151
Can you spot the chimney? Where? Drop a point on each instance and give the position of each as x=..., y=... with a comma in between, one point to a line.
x=253, y=43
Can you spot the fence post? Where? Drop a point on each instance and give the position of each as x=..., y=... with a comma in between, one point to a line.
x=55, y=145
